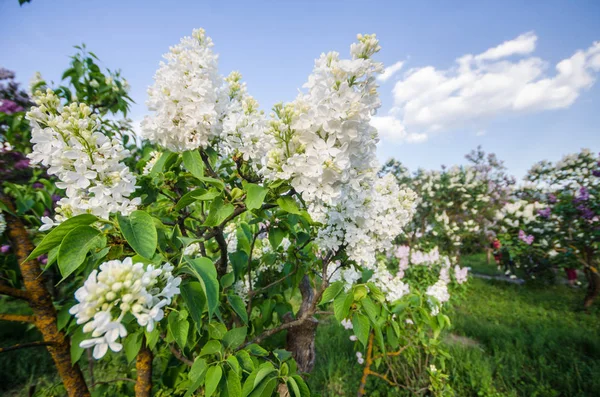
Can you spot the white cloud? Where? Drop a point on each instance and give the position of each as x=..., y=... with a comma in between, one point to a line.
x=392, y=129
x=524, y=44
x=390, y=71
x=485, y=86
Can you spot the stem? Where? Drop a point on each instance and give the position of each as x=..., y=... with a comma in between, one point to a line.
x=143, y=366
x=24, y=345
x=14, y=292
x=17, y=318
x=40, y=301
x=367, y=369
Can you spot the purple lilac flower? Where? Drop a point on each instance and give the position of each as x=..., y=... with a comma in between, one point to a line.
x=38, y=185
x=586, y=212
x=5, y=248
x=43, y=259
x=6, y=74
x=596, y=173
x=55, y=198
x=545, y=213
x=22, y=164
x=525, y=238
x=551, y=198
x=9, y=107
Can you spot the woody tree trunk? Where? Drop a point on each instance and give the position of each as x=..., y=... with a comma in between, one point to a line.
x=40, y=301
x=301, y=337
x=593, y=279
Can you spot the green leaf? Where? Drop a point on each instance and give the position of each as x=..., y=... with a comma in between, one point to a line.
x=276, y=235
x=235, y=337
x=216, y=330
x=218, y=212
x=293, y=386
x=288, y=204
x=132, y=345
x=376, y=292
x=178, y=328
x=198, y=369
x=266, y=388
x=57, y=234
x=75, y=246
x=76, y=351
x=196, y=195
x=211, y=347
x=162, y=161
x=304, y=390
x=193, y=162
x=257, y=350
x=195, y=300
x=255, y=196
x=331, y=292
x=371, y=309
x=245, y=360
x=361, y=327
x=205, y=272
x=263, y=371
x=341, y=305
x=227, y=280
x=233, y=386
x=213, y=377
x=140, y=232
x=238, y=306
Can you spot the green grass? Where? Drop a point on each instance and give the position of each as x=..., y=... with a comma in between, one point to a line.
x=24, y=369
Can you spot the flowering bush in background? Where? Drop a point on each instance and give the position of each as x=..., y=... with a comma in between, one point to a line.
x=457, y=205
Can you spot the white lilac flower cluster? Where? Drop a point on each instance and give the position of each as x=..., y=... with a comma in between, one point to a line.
x=2, y=224
x=118, y=289
x=391, y=285
x=347, y=275
x=187, y=97
x=412, y=257
x=519, y=213
x=439, y=291
x=244, y=125
x=461, y=274
x=86, y=162
x=322, y=143
x=154, y=156
x=572, y=171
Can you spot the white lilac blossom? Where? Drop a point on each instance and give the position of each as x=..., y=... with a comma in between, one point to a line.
x=86, y=162
x=359, y=358
x=154, y=156
x=325, y=146
x=347, y=275
x=244, y=125
x=391, y=285
x=2, y=224
x=118, y=289
x=187, y=98
x=461, y=274
x=439, y=291
x=346, y=323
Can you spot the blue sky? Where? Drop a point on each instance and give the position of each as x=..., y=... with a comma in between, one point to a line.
x=512, y=100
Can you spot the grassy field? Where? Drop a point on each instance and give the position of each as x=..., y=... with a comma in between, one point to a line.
x=507, y=340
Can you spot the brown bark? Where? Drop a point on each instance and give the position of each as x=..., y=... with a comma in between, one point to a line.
x=22, y=318
x=593, y=278
x=143, y=366
x=301, y=337
x=593, y=289
x=40, y=302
